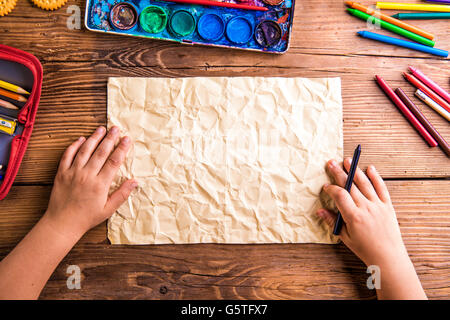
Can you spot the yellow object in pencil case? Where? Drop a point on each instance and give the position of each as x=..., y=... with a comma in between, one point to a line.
x=7, y=126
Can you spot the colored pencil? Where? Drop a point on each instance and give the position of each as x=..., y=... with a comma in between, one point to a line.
x=439, y=1
x=402, y=43
x=12, y=95
x=8, y=105
x=427, y=81
x=384, y=17
x=419, y=85
x=413, y=6
x=12, y=87
x=390, y=27
x=405, y=111
x=422, y=15
x=348, y=187
x=220, y=4
x=423, y=120
x=430, y=102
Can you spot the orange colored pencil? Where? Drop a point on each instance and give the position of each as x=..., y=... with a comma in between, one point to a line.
x=419, y=85
x=12, y=95
x=398, y=23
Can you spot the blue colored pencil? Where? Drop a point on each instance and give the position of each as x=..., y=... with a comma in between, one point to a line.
x=403, y=43
x=439, y=1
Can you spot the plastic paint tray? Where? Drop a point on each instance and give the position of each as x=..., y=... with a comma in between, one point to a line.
x=211, y=24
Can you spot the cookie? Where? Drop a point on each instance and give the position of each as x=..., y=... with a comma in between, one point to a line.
x=49, y=4
x=6, y=6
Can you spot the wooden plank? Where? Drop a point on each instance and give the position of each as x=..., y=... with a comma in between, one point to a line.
x=73, y=106
x=78, y=62
x=320, y=27
x=207, y=271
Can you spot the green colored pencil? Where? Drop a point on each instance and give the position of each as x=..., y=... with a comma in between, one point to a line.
x=422, y=15
x=391, y=27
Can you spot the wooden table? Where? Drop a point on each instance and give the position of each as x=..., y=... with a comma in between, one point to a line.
x=77, y=64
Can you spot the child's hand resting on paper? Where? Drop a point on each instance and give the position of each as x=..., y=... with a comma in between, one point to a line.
x=371, y=230
x=79, y=201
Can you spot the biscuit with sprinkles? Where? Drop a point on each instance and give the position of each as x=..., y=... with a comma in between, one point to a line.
x=49, y=4
x=6, y=6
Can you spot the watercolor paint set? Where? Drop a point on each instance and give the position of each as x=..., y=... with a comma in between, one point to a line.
x=258, y=25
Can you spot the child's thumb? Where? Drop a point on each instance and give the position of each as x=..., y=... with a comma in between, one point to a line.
x=120, y=195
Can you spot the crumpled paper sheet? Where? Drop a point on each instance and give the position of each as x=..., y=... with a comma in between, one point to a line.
x=225, y=160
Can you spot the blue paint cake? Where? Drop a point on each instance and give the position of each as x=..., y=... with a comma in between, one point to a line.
x=267, y=31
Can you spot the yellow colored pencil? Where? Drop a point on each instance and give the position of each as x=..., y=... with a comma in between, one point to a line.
x=12, y=95
x=8, y=105
x=12, y=87
x=413, y=6
x=430, y=102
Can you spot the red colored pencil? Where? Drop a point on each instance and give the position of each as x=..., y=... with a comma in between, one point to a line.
x=220, y=4
x=404, y=109
x=419, y=85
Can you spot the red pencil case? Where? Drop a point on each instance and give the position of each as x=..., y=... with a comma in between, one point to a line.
x=24, y=70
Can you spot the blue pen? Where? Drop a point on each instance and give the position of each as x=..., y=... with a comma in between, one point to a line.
x=403, y=43
x=348, y=185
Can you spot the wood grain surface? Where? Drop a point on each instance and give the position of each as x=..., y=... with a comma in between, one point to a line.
x=77, y=64
x=211, y=271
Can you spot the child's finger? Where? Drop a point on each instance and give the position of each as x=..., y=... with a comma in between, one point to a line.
x=340, y=177
x=103, y=151
x=378, y=184
x=361, y=181
x=85, y=152
x=69, y=154
x=120, y=196
x=328, y=216
x=115, y=160
x=343, y=201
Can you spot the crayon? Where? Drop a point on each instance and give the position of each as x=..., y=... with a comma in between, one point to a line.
x=402, y=43
x=413, y=6
x=391, y=27
x=389, y=19
x=419, y=85
x=221, y=4
x=12, y=87
x=422, y=15
x=8, y=105
x=12, y=95
x=433, y=85
x=405, y=111
x=430, y=102
x=423, y=120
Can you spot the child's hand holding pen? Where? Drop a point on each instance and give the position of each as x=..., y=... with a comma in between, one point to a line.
x=371, y=230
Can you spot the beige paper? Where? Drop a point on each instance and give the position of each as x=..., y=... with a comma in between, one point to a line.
x=225, y=160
